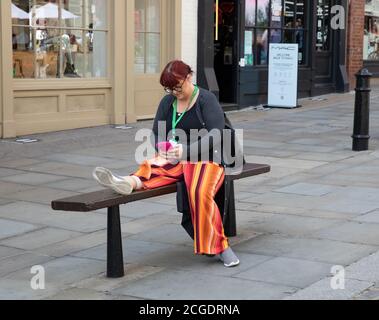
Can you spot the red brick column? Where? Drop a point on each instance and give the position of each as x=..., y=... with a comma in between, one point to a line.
x=355, y=39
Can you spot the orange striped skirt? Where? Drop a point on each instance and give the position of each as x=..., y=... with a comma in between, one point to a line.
x=203, y=181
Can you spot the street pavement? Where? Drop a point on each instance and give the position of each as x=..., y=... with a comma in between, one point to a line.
x=317, y=210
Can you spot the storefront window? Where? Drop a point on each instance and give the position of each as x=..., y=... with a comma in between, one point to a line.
x=371, y=36
x=148, y=36
x=323, y=23
x=274, y=21
x=60, y=39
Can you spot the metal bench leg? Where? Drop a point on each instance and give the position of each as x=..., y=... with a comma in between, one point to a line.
x=115, y=259
x=230, y=223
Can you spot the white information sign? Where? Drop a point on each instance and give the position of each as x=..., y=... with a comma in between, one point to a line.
x=283, y=75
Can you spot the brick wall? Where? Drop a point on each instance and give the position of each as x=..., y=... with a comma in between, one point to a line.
x=355, y=39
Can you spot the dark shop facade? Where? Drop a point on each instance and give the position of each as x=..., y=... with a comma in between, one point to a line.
x=234, y=38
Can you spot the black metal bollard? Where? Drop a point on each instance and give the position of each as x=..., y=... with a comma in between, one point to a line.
x=361, y=135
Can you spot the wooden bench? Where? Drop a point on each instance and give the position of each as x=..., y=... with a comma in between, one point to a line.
x=107, y=198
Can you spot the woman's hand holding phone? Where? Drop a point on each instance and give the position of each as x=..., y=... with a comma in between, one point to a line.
x=170, y=151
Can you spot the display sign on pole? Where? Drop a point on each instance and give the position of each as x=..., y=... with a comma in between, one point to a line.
x=283, y=75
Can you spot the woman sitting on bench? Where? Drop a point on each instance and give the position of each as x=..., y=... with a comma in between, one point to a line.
x=180, y=110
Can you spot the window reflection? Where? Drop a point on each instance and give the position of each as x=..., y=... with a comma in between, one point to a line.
x=323, y=22
x=276, y=13
x=371, y=32
x=63, y=39
x=147, y=36
x=263, y=10
x=250, y=12
x=262, y=46
x=274, y=21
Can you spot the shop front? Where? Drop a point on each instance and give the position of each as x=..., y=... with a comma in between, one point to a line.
x=371, y=36
x=69, y=64
x=241, y=32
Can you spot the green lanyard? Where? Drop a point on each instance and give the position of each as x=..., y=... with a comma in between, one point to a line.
x=176, y=121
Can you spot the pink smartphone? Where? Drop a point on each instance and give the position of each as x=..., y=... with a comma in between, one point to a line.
x=164, y=146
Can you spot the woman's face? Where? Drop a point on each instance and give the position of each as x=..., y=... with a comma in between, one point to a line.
x=183, y=89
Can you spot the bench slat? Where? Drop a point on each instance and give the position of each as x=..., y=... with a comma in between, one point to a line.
x=108, y=198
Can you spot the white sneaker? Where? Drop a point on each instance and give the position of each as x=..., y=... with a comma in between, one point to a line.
x=122, y=185
x=229, y=258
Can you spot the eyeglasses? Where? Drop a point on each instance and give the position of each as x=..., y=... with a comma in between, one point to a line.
x=176, y=89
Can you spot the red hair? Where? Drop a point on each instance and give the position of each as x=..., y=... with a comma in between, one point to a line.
x=175, y=71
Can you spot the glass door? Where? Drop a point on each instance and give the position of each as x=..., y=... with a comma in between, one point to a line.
x=323, y=49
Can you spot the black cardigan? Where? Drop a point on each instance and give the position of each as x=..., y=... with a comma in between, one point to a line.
x=210, y=115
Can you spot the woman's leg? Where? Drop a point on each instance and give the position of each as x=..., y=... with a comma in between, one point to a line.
x=148, y=176
x=154, y=176
x=203, y=181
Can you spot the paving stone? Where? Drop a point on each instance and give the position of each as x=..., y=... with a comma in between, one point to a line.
x=260, y=144
x=21, y=261
x=92, y=189
x=314, y=213
x=142, y=209
x=150, y=222
x=348, y=180
x=64, y=169
x=6, y=252
x=287, y=224
x=111, y=151
x=314, y=148
x=179, y=259
x=308, y=189
x=126, y=298
x=34, y=179
x=365, y=269
x=8, y=188
x=39, y=238
x=168, y=233
x=322, y=290
x=74, y=245
x=372, y=217
x=133, y=272
x=72, y=184
x=370, y=294
x=244, y=195
x=135, y=251
x=279, y=153
x=169, y=199
x=335, y=203
x=287, y=271
x=168, y=285
x=276, y=172
x=327, y=157
x=291, y=179
x=45, y=216
x=329, y=168
x=59, y=276
x=288, y=163
x=353, y=232
x=78, y=159
x=18, y=163
x=41, y=195
x=5, y=201
x=10, y=228
x=80, y=294
x=307, y=249
x=285, y=200
x=359, y=193
x=4, y=172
